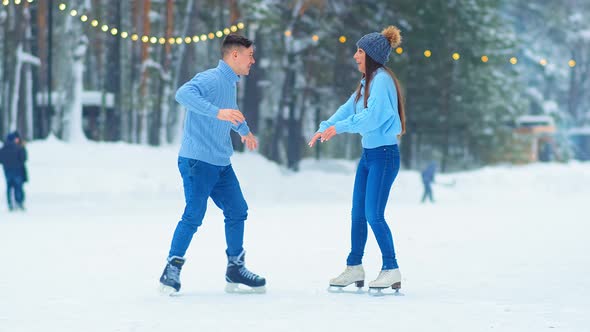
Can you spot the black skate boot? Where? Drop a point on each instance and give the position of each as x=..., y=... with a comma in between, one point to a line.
x=170, y=279
x=237, y=274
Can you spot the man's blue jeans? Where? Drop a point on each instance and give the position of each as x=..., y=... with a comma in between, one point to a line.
x=201, y=181
x=375, y=174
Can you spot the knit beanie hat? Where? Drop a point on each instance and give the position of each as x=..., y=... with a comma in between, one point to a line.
x=379, y=45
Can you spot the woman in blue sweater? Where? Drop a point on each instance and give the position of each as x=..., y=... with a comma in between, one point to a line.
x=376, y=111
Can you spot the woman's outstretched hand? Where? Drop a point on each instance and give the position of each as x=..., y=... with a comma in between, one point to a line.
x=328, y=134
x=314, y=139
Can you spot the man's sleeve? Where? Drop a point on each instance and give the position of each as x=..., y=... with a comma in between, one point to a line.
x=193, y=93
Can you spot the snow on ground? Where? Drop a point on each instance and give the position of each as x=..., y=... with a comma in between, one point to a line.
x=505, y=249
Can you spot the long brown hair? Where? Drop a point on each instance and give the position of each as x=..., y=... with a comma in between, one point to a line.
x=371, y=67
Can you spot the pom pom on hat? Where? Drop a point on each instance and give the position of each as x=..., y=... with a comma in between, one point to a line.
x=392, y=34
x=379, y=45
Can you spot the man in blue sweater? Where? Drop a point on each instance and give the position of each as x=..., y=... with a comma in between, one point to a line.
x=205, y=167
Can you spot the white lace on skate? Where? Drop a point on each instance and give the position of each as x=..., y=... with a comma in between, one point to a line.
x=173, y=272
x=386, y=279
x=247, y=274
x=351, y=274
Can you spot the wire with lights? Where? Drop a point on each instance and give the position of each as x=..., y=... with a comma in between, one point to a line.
x=95, y=23
x=114, y=31
x=428, y=53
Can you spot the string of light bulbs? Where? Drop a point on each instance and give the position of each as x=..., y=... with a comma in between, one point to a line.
x=428, y=53
x=115, y=31
x=95, y=23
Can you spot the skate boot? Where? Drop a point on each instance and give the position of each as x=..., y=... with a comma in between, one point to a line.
x=386, y=278
x=352, y=274
x=237, y=274
x=170, y=279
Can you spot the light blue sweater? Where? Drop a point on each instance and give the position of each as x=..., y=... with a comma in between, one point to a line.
x=379, y=123
x=205, y=137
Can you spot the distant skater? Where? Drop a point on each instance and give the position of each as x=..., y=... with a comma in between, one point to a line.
x=428, y=174
x=13, y=156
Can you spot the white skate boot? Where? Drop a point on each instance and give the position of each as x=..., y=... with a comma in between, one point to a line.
x=352, y=274
x=386, y=278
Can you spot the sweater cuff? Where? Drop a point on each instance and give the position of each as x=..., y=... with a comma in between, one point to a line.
x=244, y=131
x=341, y=127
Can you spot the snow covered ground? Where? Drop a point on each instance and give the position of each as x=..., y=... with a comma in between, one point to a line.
x=506, y=249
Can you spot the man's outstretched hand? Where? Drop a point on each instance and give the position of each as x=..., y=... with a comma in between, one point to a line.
x=250, y=141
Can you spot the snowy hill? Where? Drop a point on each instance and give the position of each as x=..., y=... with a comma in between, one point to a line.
x=505, y=249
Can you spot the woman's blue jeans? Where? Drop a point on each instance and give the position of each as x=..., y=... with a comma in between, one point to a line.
x=201, y=181
x=375, y=174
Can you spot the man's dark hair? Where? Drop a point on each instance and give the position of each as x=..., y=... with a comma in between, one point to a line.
x=232, y=40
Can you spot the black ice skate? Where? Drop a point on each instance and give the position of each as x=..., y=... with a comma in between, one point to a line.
x=170, y=279
x=237, y=274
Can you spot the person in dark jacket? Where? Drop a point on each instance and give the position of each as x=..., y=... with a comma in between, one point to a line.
x=427, y=180
x=13, y=156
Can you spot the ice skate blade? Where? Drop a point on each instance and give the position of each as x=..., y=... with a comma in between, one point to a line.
x=343, y=290
x=380, y=291
x=167, y=290
x=233, y=288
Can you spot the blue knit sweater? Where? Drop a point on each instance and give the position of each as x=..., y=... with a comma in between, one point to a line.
x=379, y=123
x=205, y=137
